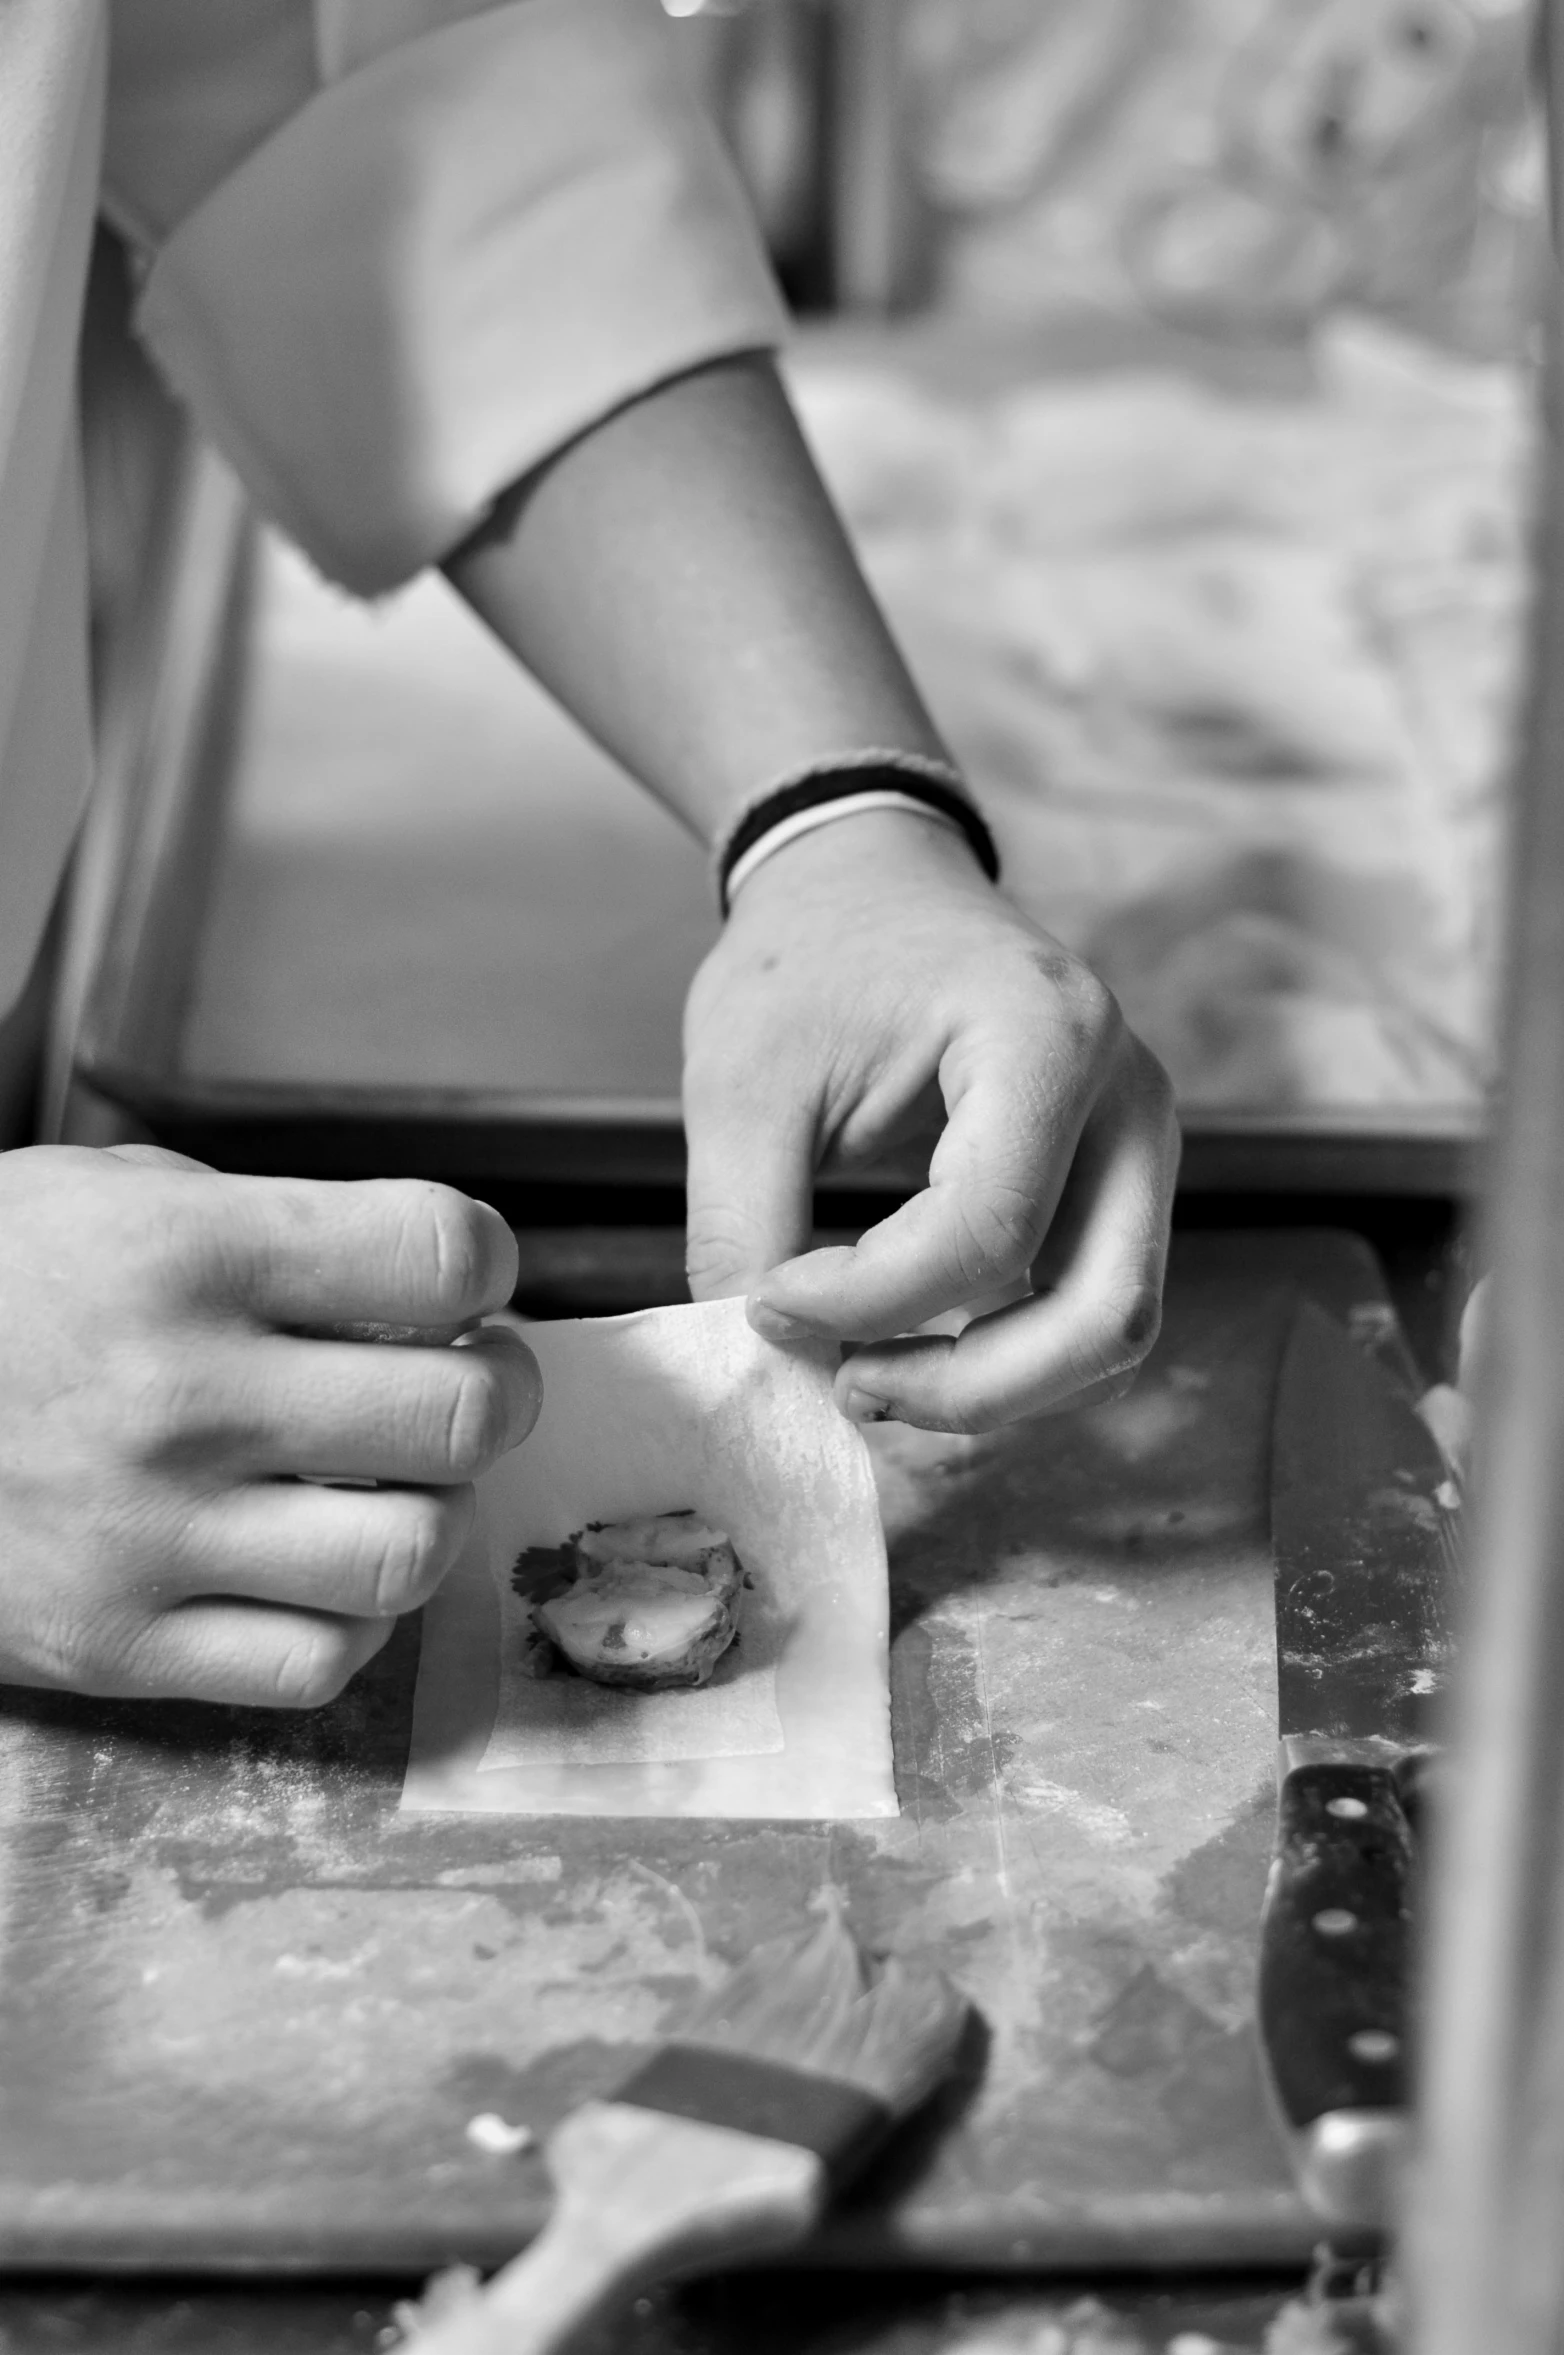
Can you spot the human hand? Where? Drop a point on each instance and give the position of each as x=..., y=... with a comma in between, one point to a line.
x=871, y=991
x=164, y=1403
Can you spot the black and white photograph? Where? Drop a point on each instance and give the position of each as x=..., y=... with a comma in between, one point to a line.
x=781, y=1177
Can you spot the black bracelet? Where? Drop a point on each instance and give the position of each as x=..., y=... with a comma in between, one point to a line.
x=808, y=793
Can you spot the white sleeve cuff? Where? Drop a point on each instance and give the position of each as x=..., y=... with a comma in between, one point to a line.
x=446, y=266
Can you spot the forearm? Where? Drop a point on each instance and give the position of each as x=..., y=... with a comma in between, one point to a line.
x=680, y=580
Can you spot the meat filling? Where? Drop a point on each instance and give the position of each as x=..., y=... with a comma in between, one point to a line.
x=651, y=1604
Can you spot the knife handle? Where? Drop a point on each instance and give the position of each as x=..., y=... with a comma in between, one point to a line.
x=1335, y=1965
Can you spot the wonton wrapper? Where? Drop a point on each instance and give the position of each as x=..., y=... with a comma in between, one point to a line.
x=672, y=1408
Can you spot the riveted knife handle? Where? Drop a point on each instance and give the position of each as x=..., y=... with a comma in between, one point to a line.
x=1335, y=1970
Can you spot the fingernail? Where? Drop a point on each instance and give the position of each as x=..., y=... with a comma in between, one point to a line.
x=774, y=1324
x=859, y=1406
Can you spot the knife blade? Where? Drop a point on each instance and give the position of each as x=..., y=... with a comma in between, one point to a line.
x=1363, y=1538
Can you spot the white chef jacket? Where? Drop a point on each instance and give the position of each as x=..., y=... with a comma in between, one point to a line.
x=395, y=253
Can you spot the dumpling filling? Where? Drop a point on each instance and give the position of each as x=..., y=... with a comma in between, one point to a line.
x=651, y=1604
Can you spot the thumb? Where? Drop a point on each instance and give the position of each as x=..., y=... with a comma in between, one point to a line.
x=749, y=1195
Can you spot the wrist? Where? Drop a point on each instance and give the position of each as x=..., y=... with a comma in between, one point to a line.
x=826, y=792
x=866, y=853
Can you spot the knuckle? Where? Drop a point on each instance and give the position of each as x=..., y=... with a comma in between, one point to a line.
x=477, y=1425
x=172, y=1263
x=311, y=1669
x=1122, y=1331
x=246, y=1232
x=410, y=1557
x=79, y=1652
x=445, y=1241
x=1098, y=1028
x=459, y=1244
x=714, y=1252
x=1138, y=1319
x=1095, y=1006
x=1065, y=982
x=1094, y=1046
x=170, y=1405
x=117, y=1646
x=999, y=1235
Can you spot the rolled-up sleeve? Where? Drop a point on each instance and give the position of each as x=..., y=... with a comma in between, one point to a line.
x=445, y=266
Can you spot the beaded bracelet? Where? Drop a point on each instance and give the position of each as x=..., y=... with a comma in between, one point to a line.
x=839, y=787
